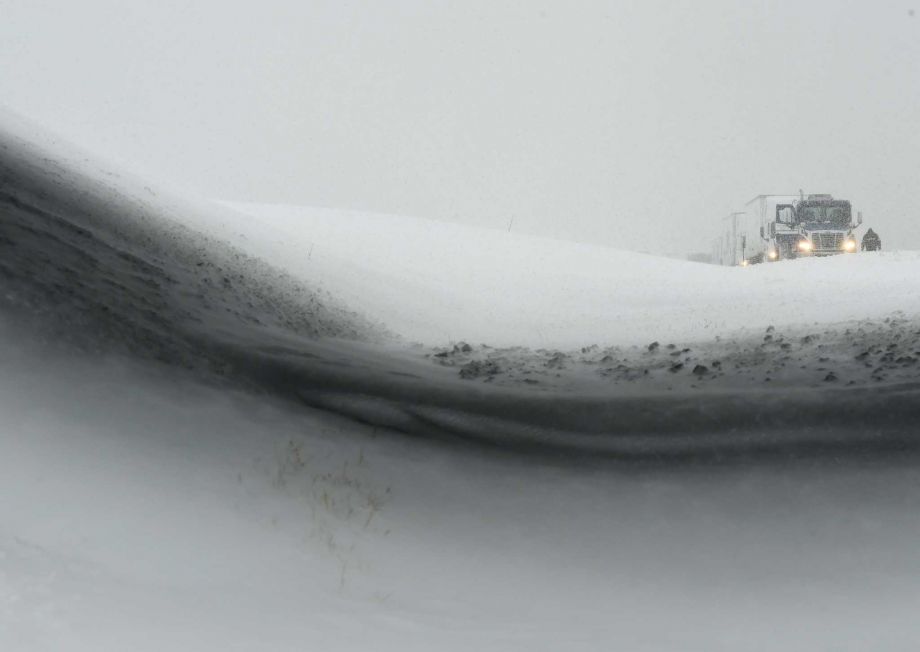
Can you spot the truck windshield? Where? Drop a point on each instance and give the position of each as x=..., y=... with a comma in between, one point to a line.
x=830, y=215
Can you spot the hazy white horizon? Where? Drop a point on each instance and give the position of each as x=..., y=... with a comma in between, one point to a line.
x=632, y=124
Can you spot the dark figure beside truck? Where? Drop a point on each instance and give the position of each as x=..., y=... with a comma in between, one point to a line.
x=871, y=241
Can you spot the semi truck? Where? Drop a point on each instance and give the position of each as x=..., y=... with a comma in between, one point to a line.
x=771, y=228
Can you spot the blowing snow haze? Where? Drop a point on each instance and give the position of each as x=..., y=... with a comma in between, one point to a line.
x=632, y=124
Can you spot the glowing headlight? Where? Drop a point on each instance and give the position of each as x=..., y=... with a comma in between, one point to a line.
x=771, y=255
x=744, y=263
x=806, y=245
x=849, y=245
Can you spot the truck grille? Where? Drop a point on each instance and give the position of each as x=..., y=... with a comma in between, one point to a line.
x=827, y=241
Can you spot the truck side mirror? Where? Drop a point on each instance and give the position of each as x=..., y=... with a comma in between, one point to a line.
x=858, y=218
x=762, y=237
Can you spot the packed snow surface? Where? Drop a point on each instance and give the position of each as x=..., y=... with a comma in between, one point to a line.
x=218, y=432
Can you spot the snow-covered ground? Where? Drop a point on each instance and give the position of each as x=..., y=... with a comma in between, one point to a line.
x=144, y=511
x=210, y=439
x=439, y=282
x=488, y=299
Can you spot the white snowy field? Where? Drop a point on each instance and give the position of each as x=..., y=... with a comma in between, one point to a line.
x=438, y=282
x=168, y=482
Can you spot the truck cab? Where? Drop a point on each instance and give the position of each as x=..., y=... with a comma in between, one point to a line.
x=780, y=227
x=818, y=225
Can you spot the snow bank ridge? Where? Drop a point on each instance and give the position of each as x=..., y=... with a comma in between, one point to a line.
x=102, y=263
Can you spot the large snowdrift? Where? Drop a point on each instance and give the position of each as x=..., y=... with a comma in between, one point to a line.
x=111, y=264
x=168, y=483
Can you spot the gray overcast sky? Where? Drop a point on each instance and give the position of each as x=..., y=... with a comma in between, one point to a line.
x=636, y=124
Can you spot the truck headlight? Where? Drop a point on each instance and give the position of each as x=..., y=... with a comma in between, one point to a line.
x=806, y=245
x=849, y=245
x=772, y=254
